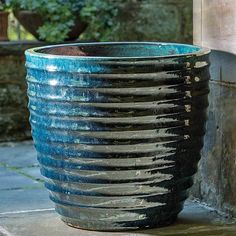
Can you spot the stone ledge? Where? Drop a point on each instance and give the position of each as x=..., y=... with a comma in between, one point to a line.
x=223, y=66
x=17, y=48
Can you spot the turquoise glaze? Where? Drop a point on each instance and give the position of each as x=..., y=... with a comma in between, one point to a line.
x=118, y=128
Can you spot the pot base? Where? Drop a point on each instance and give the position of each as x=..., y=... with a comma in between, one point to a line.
x=109, y=226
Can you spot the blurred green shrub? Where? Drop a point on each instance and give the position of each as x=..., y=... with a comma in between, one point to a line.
x=101, y=16
x=58, y=16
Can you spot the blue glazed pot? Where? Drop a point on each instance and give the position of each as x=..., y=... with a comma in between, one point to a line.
x=118, y=129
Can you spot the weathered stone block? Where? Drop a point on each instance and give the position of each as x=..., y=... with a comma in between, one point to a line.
x=161, y=20
x=14, y=124
x=215, y=183
x=156, y=18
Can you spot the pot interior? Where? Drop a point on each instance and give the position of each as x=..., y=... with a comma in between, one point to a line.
x=120, y=49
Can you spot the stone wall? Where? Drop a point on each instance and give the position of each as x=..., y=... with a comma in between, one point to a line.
x=160, y=20
x=139, y=20
x=215, y=182
x=14, y=115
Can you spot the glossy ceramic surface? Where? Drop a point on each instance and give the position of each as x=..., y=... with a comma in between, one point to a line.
x=118, y=129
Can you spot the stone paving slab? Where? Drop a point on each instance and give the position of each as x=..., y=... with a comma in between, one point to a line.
x=21, y=185
x=25, y=208
x=10, y=180
x=24, y=200
x=21, y=154
x=195, y=220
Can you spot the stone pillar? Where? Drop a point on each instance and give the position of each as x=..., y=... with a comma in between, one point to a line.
x=214, y=24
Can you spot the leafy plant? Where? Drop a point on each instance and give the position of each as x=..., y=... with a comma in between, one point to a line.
x=3, y=5
x=107, y=18
x=101, y=15
x=58, y=16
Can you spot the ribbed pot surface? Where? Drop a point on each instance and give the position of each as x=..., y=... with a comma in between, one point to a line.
x=118, y=129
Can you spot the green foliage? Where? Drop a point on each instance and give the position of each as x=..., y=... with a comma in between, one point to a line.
x=101, y=15
x=3, y=5
x=58, y=16
x=107, y=18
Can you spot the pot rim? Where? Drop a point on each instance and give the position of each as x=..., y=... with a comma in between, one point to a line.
x=35, y=52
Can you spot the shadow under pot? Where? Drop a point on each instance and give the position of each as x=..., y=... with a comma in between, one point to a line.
x=118, y=128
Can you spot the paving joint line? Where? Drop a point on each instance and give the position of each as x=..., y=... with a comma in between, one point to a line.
x=18, y=170
x=23, y=188
x=26, y=211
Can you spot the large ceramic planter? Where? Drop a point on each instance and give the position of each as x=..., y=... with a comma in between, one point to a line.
x=3, y=25
x=32, y=21
x=118, y=128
